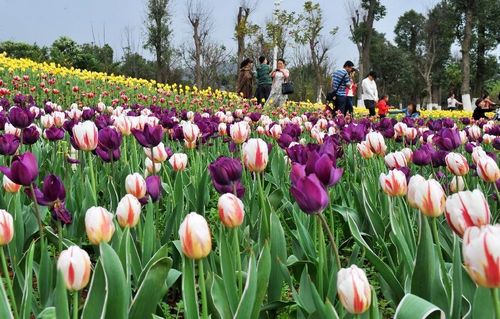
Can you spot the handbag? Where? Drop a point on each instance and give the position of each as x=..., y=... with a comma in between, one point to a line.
x=332, y=95
x=287, y=87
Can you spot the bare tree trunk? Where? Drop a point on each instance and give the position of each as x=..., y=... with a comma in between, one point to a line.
x=466, y=44
x=240, y=32
x=197, y=53
x=480, y=61
x=367, y=39
x=159, y=66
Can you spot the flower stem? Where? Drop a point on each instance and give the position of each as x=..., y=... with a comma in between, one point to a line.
x=92, y=177
x=438, y=249
x=75, y=305
x=331, y=238
x=238, y=260
x=37, y=213
x=5, y=271
x=496, y=301
x=263, y=205
x=60, y=236
x=203, y=290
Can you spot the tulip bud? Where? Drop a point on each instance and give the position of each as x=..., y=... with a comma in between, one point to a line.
x=457, y=184
x=222, y=129
x=474, y=132
x=128, y=211
x=6, y=227
x=395, y=160
x=255, y=155
x=477, y=154
x=400, y=129
x=135, y=185
x=123, y=124
x=159, y=155
x=85, y=135
x=412, y=189
x=487, y=169
x=376, y=142
x=149, y=166
x=74, y=264
x=364, y=150
x=480, y=249
x=191, y=132
x=430, y=198
x=231, y=210
x=9, y=186
x=457, y=164
x=178, y=161
x=394, y=183
x=275, y=131
x=194, y=234
x=408, y=153
x=411, y=133
x=466, y=209
x=99, y=225
x=47, y=121
x=354, y=289
x=239, y=132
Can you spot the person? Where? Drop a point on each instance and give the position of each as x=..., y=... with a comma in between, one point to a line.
x=350, y=93
x=487, y=101
x=482, y=107
x=411, y=111
x=264, y=80
x=370, y=93
x=452, y=102
x=245, y=79
x=383, y=107
x=279, y=76
x=340, y=81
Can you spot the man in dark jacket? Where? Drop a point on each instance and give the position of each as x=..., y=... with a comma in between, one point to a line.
x=264, y=81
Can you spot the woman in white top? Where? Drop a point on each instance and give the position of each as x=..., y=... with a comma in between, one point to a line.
x=452, y=102
x=370, y=92
x=280, y=75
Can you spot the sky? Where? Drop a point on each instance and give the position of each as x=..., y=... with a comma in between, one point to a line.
x=106, y=21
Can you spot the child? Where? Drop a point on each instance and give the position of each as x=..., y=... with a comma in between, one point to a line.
x=383, y=106
x=411, y=111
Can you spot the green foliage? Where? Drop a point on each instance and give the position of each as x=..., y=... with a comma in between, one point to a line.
x=25, y=50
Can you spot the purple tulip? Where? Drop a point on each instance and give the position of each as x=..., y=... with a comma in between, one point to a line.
x=3, y=120
x=447, y=139
x=297, y=154
x=54, y=133
x=30, y=135
x=20, y=117
x=23, y=170
x=309, y=193
x=88, y=114
x=255, y=116
x=422, y=156
x=103, y=121
x=9, y=144
x=108, y=155
x=53, y=195
x=226, y=174
x=285, y=140
x=150, y=137
x=354, y=133
x=496, y=143
x=109, y=139
x=153, y=186
x=323, y=167
x=438, y=158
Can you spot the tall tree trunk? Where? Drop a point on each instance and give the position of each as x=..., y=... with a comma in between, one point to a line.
x=480, y=62
x=466, y=44
x=241, y=32
x=159, y=66
x=367, y=39
x=197, y=53
x=361, y=75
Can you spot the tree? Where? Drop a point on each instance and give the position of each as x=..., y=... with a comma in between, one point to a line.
x=243, y=27
x=307, y=31
x=20, y=50
x=64, y=51
x=362, y=18
x=199, y=18
x=158, y=36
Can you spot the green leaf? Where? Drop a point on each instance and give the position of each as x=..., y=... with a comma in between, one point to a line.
x=414, y=307
x=117, y=291
x=425, y=264
x=189, y=294
x=152, y=289
x=45, y=275
x=228, y=272
x=202, y=194
x=219, y=297
x=95, y=305
x=263, y=272
x=48, y=313
x=61, y=298
x=247, y=300
x=456, y=297
x=278, y=253
x=482, y=306
x=172, y=277
x=148, y=234
x=160, y=254
x=27, y=299
x=5, y=311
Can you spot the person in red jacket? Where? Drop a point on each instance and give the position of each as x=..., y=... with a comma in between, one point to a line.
x=383, y=106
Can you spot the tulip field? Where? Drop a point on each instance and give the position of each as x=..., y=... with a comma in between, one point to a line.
x=126, y=198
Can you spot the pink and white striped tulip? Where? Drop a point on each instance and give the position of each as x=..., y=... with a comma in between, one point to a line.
x=414, y=182
x=395, y=160
x=195, y=237
x=364, y=150
x=135, y=185
x=457, y=184
x=481, y=250
x=159, y=154
x=85, y=136
x=9, y=186
x=239, y=132
x=354, y=289
x=74, y=264
x=99, y=225
x=457, y=164
x=466, y=209
x=178, y=161
x=231, y=210
x=487, y=169
x=128, y=211
x=394, y=183
x=191, y=131
x=255, y=155
x=376, y=142
x=430, y=198
x=6, y=227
